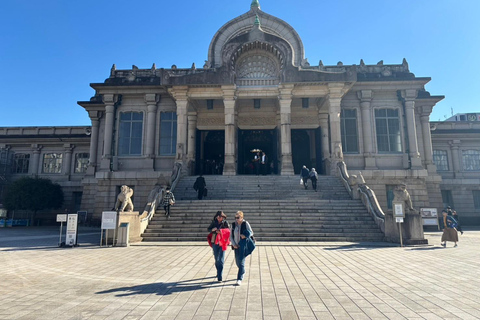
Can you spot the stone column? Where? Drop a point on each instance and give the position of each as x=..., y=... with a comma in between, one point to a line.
x=323, y=120
x=68, y=158
x=410, y=96
x=109, y=100
x=37, y=149
x=334, y=99
x=180, y=94
x=285, y=100
x=427, y=138
x=454, y=147
x=151, y=100
x=92, y=162
x=365, y=97
x=229, y=97
x=192, y=131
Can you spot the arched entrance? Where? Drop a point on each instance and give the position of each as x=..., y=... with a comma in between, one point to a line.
x=248, y=140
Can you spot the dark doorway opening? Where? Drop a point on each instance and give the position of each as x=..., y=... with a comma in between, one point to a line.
x=264, y=140
x=300, y=150
x=210, y=152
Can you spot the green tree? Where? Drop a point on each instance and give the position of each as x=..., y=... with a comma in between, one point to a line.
x=33, y=194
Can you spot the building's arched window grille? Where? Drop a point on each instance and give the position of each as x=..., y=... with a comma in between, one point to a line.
x=52, y=163
x=440, y=160
x=21, y=163
x=81, y=162
x=471, y=160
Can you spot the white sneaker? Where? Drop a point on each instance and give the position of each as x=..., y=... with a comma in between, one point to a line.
x=239, y=282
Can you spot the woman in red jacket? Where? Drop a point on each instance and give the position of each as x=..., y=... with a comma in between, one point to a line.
x=220, y=238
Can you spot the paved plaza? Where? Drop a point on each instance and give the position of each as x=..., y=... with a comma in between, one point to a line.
x=39, y=280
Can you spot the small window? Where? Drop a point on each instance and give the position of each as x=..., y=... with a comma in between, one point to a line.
x=168, y=133
x=440, y=159
x=476, y=199
x=256, y=103
x=81, y=162
x=348, y=128
x=209, y=104
x=52, y=163
x=387, y=124
x=390, y=188
x=21, y=163
x=447, y=198
x=305, y=103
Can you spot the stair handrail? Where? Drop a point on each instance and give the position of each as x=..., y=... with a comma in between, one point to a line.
x=154, y=199
x=357, y=188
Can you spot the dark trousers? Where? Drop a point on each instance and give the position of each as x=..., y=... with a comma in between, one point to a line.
x=200, y=193
x=305, y=182
x=219, y=256
x=314, y=184
x=166, y=207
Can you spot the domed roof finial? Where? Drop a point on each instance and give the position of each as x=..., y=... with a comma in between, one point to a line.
x=257, y=21
x=255, y=4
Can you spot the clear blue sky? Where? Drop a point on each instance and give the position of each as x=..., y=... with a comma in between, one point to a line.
x=51, y=50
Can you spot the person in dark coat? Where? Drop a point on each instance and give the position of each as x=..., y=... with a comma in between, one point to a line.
x=455, y=216
x=304, y=174
x=199, y=186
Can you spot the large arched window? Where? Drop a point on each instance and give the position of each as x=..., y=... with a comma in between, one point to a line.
x=471, y=160
x=257, y=68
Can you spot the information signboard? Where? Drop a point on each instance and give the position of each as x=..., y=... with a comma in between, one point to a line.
x=429, y=216
x=71, y=236
x=61, y=218
x=109, y=220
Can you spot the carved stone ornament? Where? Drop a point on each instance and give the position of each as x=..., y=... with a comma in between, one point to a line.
x=124, y=202
x=256, y=121
x=400, y=194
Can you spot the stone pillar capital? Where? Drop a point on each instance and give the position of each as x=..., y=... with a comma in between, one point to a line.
x=94, y=115
x=426, y=110
x=365, y=95
x=454, y=144
x=152, y=99
x=229, y=92
x=409, y=94
x=179, y=93
x=69, y=147
x=110, y=99
x=37, y=148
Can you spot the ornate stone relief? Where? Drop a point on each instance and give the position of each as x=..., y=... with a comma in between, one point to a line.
x=256, y=121
x=210, y=121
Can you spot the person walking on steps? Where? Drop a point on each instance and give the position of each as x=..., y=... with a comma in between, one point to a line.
x=313, y=175
x=199, y=186
x=219, y=239
x=449, y=225
x=304, y=175
x=242, y=242
x=168, y=201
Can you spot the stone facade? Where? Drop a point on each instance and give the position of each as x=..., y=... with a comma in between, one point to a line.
x=257, y=90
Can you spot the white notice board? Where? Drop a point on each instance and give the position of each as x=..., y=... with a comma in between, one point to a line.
x=429, y=216
x=71, y=236
x=109, y=220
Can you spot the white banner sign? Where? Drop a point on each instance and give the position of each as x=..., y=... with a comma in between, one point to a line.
x=71, y=236
x=61, y=218
x=109, y=220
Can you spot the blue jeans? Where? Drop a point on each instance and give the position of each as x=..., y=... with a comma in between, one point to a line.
x=240, y=261
x=219, y=256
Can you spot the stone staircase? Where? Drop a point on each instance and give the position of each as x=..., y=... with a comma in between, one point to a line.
x=277, y=207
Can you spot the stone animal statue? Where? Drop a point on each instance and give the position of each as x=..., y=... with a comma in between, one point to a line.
x=400, y=194
x=124, y=201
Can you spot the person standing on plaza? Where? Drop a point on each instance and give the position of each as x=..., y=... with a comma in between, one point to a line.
x=199, y=186
x=168, y=201
x=242, y=243
x=449, y=231
x=313, y=175
x=304, y=175
x=219, y=239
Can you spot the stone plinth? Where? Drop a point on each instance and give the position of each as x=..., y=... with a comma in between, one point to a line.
x=412, y=229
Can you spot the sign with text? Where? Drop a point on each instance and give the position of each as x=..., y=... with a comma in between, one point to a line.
x=398, y=209
x=71, y=236
x=109, y=220
x=429, y=216
x=61, y=218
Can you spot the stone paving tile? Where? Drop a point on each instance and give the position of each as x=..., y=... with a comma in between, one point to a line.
x=283, y=281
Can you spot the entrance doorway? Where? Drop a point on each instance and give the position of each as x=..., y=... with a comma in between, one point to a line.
x=264, y=140
x=210, y=151
x=307, y=149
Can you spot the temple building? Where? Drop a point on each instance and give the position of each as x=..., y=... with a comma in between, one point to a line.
x=256, y=90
